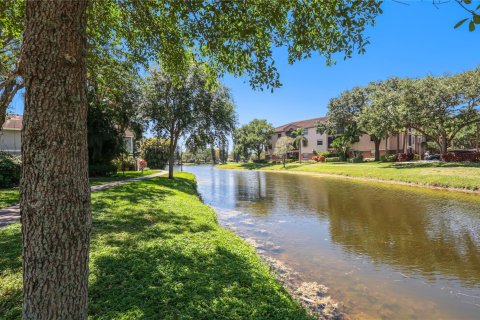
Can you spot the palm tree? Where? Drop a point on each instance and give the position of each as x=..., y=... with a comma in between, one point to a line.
x=299, y=136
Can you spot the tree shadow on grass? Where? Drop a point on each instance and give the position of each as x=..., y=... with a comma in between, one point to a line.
x=413, y=165
x=167, y=282
x=10, y=272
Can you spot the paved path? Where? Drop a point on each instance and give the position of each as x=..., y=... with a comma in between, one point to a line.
x=12, y=213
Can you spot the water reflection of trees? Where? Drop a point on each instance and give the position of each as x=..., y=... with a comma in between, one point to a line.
x=429, y=235
x=435, y=236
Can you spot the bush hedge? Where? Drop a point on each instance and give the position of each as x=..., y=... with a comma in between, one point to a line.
x=402, y=157
x=461, y=157
x=102, y=170
x=332, y=159
x=388, y=158
x=10, y=168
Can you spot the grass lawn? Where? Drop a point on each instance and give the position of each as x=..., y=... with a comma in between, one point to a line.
x=11, y=196
x=157, y=252
x=120, y=176
x=456, y=175
x=8, y=197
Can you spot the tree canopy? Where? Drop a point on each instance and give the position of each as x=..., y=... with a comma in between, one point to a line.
x=253, y=137
x=436, y=107
x=187, y=106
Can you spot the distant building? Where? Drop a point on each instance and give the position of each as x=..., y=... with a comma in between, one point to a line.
x=10, y=135
x=321, y=142
x=11, y=140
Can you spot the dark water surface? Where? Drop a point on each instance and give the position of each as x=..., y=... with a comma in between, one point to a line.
x=384, y=251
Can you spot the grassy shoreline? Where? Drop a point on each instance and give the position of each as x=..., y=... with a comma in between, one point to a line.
x=454, y=176
x=158, y=252
x=11, y=196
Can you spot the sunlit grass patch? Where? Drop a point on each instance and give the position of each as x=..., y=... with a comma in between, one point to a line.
x=157, y=252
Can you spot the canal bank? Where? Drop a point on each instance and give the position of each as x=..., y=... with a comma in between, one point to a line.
x=384, y=251
x=462, y=177
x=158, y=252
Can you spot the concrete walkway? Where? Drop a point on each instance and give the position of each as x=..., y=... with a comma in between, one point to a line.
x=12, y=213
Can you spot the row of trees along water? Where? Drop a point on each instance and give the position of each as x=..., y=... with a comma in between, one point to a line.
x=443, y=109
x=60, y=50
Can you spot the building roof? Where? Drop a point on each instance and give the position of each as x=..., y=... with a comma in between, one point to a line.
x=129, y=134
x=13, y=122
x=310, y=123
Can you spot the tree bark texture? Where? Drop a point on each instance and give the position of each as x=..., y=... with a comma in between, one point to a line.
x=55, y=195
x=377, y=142
x=171, y=155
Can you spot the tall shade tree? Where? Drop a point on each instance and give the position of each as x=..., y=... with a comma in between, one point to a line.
x=440, y=107
x=254, y=137
x=232, y=36
x=176, y=105
x=379, y=117
x=215, y=128
x=54, y=191
x=283, y=147
x=187, y=106
x=299, y=140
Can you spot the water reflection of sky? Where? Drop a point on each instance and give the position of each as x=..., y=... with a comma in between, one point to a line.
x=409, y=240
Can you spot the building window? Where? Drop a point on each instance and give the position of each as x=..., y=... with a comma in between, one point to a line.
x=305, y=131
x=318, y=131
x=319, y=142
x=330, y=140
x=371, y=138
x=305, y=155
x=305, y=143
x=279, y=135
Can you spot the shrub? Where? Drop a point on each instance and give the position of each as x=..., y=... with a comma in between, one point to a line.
x=357, y=159
x=142, y=164
x=319, y=158
x=388, y=158
x=10, y=167
x=102, y=170
x=332, y=159
x=328, y=154
x=155, y=152
x=125, y=164
x=402, y=157
x=461, y=157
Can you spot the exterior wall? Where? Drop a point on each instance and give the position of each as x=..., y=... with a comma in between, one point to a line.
x=312, y=137
x=128, y=144
x=409, y=142
x=10, y=141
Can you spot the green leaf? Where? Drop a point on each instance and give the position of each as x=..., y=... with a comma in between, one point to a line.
x=459, y=23
x=471, y=26
x=476, y=19
x=467, y=1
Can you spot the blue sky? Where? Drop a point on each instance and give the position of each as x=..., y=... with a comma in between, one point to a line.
x=407, y=41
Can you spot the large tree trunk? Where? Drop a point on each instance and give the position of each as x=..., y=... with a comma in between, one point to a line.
x=214, y=156
x=398, y=143
x=55, y=195
x=377, y=142
x=171, y=157
x=444, y=145
x=300, y=152
x=9, y=91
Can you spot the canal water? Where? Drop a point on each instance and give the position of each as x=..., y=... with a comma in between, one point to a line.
x=384, y=251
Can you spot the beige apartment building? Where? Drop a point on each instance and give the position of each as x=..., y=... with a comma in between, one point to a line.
x=11, y=140
x=10, y=135
x=320, y=142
